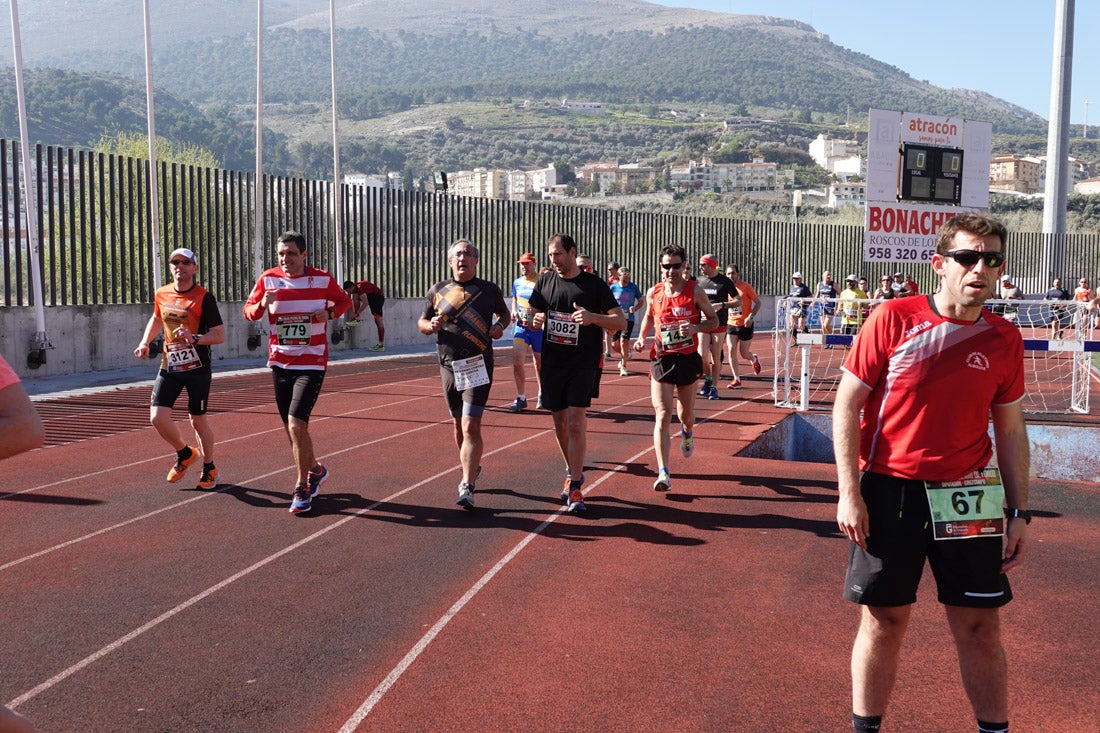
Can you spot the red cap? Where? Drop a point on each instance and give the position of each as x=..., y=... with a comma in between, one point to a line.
x=526, y=257
x=708, y=261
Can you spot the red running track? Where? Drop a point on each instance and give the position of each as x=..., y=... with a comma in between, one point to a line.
x=135, y=605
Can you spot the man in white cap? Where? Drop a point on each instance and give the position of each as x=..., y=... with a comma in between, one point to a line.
x=189, y=317
x=799, y=295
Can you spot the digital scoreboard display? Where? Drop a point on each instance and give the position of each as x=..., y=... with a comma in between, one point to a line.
x=930, y=173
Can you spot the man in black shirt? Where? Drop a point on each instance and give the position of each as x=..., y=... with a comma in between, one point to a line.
x=574, y=307
x=459, y=311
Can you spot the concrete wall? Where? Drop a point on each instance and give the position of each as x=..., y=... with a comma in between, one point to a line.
x=102, y=337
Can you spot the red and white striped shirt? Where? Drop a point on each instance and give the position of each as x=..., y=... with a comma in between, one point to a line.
x=297, y=339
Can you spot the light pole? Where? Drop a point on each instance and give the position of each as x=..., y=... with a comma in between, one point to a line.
x=796, y=204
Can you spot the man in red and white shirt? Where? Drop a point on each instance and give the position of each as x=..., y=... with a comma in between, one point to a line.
x=299, y=301
x=916, y=479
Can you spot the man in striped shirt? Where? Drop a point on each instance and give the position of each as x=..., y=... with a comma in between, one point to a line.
x=299, y=301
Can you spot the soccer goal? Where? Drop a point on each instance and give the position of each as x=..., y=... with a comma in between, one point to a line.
x=812, y=338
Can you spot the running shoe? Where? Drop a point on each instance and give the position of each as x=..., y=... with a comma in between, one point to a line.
x=705, y=389
x=663, y=482
x=352, y=322
x=538, y=404
x=209, y=479
x=734, y=384
x=565, y=490
x=465, y=496
x=687, y=444
x=623, y=372
x=302, y=501
x=519, y=405
x=316, y=478
x=576, y=501
x=755, y=364
x=377, y=347
x=713, y=394
x=175, y=473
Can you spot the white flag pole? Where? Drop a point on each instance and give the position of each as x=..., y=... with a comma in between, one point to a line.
x=258, y=187
x=337, y=199
x=154, y=192
x=36, y=356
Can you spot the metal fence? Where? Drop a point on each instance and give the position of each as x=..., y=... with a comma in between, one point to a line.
x=95, y=233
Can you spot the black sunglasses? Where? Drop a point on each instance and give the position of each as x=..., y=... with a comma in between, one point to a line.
x=970, y=257
x=178, y=263
x=671, y=265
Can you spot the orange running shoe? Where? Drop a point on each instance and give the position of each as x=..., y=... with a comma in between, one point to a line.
x=175, y=473
x=209, y=479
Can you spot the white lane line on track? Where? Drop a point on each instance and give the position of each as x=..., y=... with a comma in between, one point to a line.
x=234, y=439
x=118, y=643
x=259, y=477
x=395, y=674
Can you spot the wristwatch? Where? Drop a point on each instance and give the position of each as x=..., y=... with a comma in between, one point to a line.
x=1024, y=514
x=195, y=339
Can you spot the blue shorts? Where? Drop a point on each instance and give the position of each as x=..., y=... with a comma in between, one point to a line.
x=529, y=337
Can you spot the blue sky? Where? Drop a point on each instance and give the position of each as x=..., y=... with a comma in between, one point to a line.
x=1003, y=48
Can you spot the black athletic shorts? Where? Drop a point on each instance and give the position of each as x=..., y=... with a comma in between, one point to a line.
x=677, y=369
x=569, y=387
x=296, y=391
x=968, y=572
x=169, y=385
x=627, y=333
x=742, y=332
x=375, y=301
x=469, y=402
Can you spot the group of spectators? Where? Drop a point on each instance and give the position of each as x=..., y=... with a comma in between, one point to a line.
x=829, y=298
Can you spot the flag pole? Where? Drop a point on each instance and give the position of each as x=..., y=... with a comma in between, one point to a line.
x=154, y=191
x=36, y=355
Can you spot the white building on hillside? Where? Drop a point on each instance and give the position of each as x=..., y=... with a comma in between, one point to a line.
x=839, y=157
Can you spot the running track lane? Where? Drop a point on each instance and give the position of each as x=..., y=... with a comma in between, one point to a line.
x=134, y=605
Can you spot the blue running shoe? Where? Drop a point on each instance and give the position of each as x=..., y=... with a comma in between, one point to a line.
x=302, y=502
x=576, y=501
x=687, y=444
x=316, y=478
x=663, y=482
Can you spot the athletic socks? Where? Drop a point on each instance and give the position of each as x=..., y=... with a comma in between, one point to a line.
x=868, y=724
x=184, y=453
x=987, y=727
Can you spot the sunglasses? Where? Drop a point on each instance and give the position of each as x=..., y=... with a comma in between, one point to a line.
x=671, y=265
x=970, y=257
x=179, y=263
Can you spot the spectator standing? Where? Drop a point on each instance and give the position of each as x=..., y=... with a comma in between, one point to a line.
x=798, y=297
x=1059, y=316
x=916, y=475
